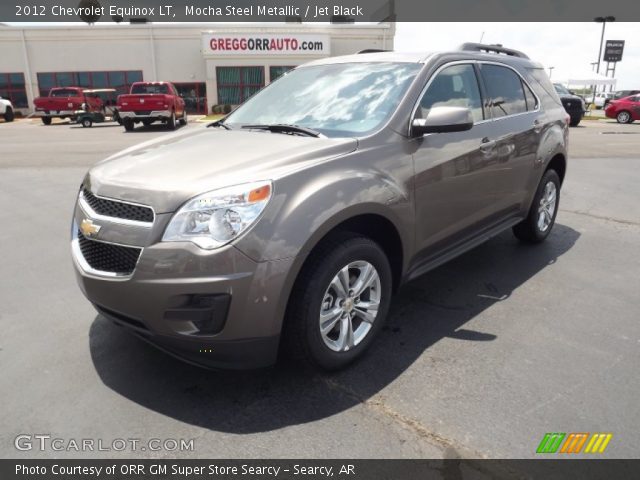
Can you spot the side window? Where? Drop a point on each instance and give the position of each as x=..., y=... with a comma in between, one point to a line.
x=454, y=86
x=505, y=90
x=532, y=103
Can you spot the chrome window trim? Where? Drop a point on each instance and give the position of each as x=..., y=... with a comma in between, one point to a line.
x=475, y=62
x=86, y=208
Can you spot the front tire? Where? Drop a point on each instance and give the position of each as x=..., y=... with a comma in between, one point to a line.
x=542, y=214
x=184, y=119
x=86, y=123
x=9, y=115
x=46, y=120
x=128, y=124
x=339, y=302
x=575, y=121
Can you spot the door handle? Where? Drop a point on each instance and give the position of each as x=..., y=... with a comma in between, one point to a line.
x=537, y=126
x=487, y=145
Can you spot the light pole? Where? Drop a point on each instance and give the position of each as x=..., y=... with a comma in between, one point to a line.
x=550, y=71
x=603, y=21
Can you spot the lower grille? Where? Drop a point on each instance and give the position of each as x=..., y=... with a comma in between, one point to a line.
x=107, y=257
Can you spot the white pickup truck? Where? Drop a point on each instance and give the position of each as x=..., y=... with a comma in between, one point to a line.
x=6, y=110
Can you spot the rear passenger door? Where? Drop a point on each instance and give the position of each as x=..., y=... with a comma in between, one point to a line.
x=516, y=127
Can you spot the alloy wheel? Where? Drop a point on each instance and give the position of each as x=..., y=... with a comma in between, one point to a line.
x=547, y=206
x=350, y=306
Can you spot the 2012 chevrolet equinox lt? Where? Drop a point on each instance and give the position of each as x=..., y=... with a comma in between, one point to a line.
x=291, y=222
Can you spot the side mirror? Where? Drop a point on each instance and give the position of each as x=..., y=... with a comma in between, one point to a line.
x=443, y=120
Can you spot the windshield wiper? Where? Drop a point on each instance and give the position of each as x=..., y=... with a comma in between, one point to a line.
x=219, y=123
x=285, y=128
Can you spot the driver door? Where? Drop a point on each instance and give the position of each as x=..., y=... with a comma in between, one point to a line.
x=453, y=171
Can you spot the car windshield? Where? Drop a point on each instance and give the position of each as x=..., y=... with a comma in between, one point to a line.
x=561, y=89
x=337, y=100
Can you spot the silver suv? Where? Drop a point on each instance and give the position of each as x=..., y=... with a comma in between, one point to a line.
x=289, y=224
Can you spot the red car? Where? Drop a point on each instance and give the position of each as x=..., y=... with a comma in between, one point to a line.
x=624, y=110
x=148, y=102
x=66, y=102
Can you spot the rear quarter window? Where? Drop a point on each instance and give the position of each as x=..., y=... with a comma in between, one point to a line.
x=539, y=81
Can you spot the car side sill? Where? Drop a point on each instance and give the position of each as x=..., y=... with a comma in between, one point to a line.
x=447, y=254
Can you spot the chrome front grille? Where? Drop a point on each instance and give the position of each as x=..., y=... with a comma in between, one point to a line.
x=116, y=208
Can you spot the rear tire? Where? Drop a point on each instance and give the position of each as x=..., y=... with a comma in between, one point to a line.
x=575, y=121
x=623, y=117
x=9, y=115
x=86, y=123
x=46, y=120
x=320, y=298
x=542, y=214
x=184, y=119
x=128, y=124
x=171, y=123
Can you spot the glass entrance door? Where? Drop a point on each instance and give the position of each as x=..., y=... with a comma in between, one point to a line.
x=194, y=95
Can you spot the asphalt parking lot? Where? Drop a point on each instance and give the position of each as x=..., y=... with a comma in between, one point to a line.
x=480, y=358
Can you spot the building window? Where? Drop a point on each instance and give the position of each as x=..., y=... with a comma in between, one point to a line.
x=194, y=95
x=236, y=84
x=12, y=88
x=120, y=80
x=276, y=72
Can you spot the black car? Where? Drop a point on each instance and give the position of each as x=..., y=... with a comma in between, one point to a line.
x=618, y=94
x=573, y=104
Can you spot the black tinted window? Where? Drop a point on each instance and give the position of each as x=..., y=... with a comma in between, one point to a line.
x=143, y=89
x=505, y=89
x=455, y=86
x=63, y=93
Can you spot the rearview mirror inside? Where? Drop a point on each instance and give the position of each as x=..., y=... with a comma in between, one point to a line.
x=443, y=120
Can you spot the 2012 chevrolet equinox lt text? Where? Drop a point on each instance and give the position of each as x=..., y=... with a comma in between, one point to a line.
x=289, y=223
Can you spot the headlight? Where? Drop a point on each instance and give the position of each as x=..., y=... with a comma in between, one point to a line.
x=213, y=219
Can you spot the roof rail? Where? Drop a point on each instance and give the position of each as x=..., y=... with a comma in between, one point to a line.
x=371, y=50
x=480, y=47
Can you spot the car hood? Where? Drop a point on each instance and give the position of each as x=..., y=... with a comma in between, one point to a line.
x=165, y=172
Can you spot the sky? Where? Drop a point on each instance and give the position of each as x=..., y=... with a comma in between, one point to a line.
x=568, y=47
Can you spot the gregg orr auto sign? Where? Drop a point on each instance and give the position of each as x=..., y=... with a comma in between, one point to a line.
x=265, y=44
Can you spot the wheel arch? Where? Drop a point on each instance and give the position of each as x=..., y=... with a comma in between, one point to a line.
x=368, y=220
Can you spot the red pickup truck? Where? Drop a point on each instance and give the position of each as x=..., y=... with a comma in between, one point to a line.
x=148, y=102
x=65, y=102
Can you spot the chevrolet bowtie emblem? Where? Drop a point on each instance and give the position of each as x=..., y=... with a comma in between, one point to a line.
x=88, y=228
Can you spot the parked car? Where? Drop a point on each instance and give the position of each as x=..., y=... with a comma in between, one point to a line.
x=149, y=102
x=600, y=99
x=572, y=103
x=6, y=110
x=65, y=102
x=618, y=94
x=624, y=110
x=290, y=223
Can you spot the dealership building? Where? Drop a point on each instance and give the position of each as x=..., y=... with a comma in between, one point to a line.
x=210, y=64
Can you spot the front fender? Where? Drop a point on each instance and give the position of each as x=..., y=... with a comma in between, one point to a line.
x=299, y=215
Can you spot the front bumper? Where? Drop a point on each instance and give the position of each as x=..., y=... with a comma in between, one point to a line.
x=162, y=114
x=214, y=308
